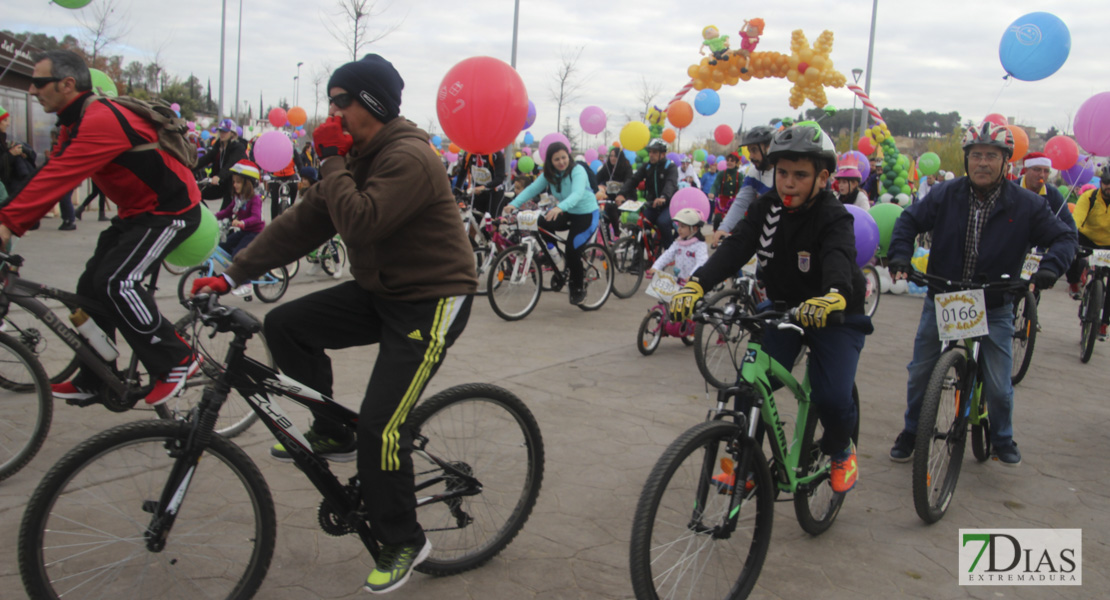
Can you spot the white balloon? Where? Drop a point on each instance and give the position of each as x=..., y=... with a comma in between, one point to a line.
x=885, y=198
x=899, y=287
x=949, y=176
x=902, y=200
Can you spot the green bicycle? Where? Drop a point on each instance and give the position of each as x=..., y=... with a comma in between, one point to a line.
x=702, y=526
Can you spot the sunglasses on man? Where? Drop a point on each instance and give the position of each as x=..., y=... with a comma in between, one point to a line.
x=41, y=82
x=341, y=101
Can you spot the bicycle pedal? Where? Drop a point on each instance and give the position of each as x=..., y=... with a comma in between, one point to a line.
x=82, y=403
x=150, y=506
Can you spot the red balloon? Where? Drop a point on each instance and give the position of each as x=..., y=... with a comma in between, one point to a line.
x=997, y=119
x=866, y=145
x=482, y=104
x=723, y=134
x=1063, y=151
x=277, y=117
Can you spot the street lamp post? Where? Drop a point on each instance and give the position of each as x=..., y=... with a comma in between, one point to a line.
x=852, y=132
x=297, y=91
x=296, y=79
x=743, y=107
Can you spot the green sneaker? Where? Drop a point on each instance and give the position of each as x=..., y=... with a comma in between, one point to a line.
x=325, y=447
x=395, y=564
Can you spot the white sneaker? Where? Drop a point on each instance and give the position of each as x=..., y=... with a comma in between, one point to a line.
x=243, y=290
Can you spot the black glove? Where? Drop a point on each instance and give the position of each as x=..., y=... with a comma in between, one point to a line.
x=898, y=265
x=1044, y=279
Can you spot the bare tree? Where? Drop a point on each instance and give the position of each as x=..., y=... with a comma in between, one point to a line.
x=648, y=92
x=567, y=84
x=104, y=26
x=353, y=27
x=320, y=76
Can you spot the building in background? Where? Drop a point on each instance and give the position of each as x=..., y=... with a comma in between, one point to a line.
x=30, y=123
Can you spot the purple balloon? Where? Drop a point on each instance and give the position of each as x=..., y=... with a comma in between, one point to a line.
x=592, y=120
x=1082, y=171
x=1092, y=125
x=690, y=197
x=548, y=139
x=860, y=161
x=273, y=151
x=512, y=165
x=531, y=115
x=867, y=234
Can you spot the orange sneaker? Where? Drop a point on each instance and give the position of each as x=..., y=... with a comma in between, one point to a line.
x=844, y=470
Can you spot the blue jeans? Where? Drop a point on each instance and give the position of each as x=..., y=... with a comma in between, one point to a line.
x=662, y=218
x=994, y=355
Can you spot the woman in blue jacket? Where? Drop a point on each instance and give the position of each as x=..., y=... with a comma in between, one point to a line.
x=576, y=211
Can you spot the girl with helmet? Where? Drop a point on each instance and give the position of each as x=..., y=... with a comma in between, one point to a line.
x=689, y=252
x=245, y=210
x=847, y=187
x=804, y=240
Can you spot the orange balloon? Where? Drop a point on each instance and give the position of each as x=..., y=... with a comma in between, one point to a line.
x=681, y=114
x=1071, y=207
x=453, y=148
x=1021, y=142
x=296, y=116
x=668, y=135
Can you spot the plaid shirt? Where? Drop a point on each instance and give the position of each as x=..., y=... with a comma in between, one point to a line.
x=980, y=211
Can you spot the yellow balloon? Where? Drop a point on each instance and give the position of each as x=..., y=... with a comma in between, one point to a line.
x=634, y=136
x=744, y=151
x=518, y=155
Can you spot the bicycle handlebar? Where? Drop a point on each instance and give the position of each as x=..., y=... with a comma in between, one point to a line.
x=732, y=313
x=942, y=284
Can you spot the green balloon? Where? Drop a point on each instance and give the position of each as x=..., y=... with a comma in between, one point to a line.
x=885, y=215
x=103, y=85
x=831, y=110
x=899, y=181
x=198, y=246
x=787, y=121
x=72, y=3
x=929, y=163
x=526, y=164
x=699, y=155
x=906, y=190
x=903, y=161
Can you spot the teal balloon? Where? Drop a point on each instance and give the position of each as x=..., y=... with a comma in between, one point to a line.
x=1034, y=46
x=103, y=83
x=198, y=246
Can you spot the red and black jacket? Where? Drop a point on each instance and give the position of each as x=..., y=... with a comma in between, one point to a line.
x=95, y=144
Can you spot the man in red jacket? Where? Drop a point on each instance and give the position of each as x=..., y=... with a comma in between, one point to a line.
x=158, y=204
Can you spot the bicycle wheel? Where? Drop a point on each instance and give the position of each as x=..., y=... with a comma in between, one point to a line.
x=293, y=268
x=185, y=284
x=719, y=348
x=981, y=439
x=628, y=269
x=873, y=291
x=514, y=283
x=85, y=528
x=482, y=264
x=488, y=432
x=597, y=276
x=817, y=505
x=26, y=406
x=58, y=360
x=271, y=286
x=651, y=331
x=690, y=538
x=1090, y=311
x=235, y=414
x=941, y=434
x=333, y=257
x=1025, y=335
x=173, y=269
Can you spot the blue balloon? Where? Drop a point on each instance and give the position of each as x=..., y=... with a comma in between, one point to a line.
x=707, y=102
x=630, y=155
x=595, y=165
x=529, y=138
x=1034, y=46
x=436, y=141
x=204, y=135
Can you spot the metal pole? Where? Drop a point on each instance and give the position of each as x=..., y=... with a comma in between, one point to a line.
x=297, y=92
x=743, y=107
x=852, y=132
x=223, y=32
x=238, y=56
x=512, y=62
x=870, y=55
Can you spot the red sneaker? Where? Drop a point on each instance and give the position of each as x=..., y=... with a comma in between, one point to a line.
x=172, y=383
x=67, y=391
x=1102, y=332
x=1073, y=290
x=844, y=470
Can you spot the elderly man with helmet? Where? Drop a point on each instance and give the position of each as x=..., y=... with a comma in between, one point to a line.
x=804, y=240
x=660, y=178
x=758, y=180
x=982, y=227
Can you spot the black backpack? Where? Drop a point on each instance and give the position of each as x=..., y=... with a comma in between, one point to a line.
x=170, y=127
x=590, y=173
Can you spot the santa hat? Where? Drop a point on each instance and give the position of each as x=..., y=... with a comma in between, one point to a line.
x=247, y=169
x=3, y=114
x=1036, y=159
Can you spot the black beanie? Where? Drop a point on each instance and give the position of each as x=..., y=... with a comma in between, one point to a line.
x=374, y=82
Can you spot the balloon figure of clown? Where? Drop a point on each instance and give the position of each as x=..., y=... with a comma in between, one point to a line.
x=717, y=43
x=749, y=39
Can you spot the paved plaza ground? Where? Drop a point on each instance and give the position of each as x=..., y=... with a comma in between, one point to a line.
x=607, y=413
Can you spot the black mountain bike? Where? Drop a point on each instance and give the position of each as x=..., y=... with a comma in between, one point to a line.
x=134, y=512
x=1094, y=297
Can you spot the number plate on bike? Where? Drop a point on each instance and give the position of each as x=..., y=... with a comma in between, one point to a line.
x=631, y=205
x=1032, y=263
x=1100, y=258
x=613, y=187
x=663, y=287
x=527, y=220
x=961, y=315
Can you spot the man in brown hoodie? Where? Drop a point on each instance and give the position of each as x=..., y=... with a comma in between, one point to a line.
x=383, y=189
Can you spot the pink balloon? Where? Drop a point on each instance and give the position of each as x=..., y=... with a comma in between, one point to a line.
x=175, y=107
x=722, y=165
x=996, y=118
x=592, y=120
x=602, y=150
x=1092, y=125
x=548, y=139
x=590, y=155
x=192, y=126
x=273, y=151
x=526, y=151
x=690, y=197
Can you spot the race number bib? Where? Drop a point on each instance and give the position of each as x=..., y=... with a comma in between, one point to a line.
x=631, y=205
x=1032, y=263
x=1100, y=258
x=663, y=287
x=481, y=175
x=961, y=315
x=613, y=187
x=527, y=220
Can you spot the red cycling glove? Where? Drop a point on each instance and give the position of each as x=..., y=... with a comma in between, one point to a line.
x=330, y=140
x=218, y=284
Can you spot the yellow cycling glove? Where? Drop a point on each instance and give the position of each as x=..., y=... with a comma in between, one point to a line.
x=682, y=304
x=815, y=311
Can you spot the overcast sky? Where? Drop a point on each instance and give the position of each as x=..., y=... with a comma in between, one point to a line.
x=934, y=55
